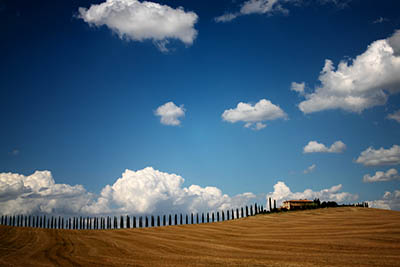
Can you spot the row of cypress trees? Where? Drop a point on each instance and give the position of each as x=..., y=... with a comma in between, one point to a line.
x=127, y=221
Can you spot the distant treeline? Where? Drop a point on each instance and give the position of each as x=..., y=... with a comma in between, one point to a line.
x=126, y=221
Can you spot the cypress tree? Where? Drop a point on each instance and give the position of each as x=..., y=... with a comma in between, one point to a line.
x=208, y=217
x=223, y=215
x=270, y=204
x=152, y=221
x=255, y=209
x=247, y=211
x=17, y=224
x=197, y=217
x=134, y=221
x=170, y=220
x=164, y=220
x=140, y=222
x=128, y=222
x=274, y=204
x=180, y=220
x=121, y=222
x=242, y=213
x=237, y=213
x=2, y=219
x=212, y=217
x=191, y=218
x=176, y=219
x=147, y=222
x=251, y=210
x=187, y=219
x=158, y=221
x=217, y=216
x=202, y=217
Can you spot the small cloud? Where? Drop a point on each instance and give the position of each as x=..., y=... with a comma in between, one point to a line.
x=226, y=17
x=254, y=115
x=310, y=169
x=15, y=152
x=389, y=175
x=298, y=87
x=170, y=114
x=315, y=147
x=380, y=157
x=394, y=116
x=380, y=20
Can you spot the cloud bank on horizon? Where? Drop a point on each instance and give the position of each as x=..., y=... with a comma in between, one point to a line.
x=146, y=191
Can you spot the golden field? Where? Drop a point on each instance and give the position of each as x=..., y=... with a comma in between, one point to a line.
x=346, y=236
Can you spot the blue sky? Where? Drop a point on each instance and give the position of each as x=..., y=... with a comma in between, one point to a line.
x=79, y=100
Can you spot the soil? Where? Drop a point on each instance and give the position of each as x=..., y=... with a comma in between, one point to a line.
x=346, y=236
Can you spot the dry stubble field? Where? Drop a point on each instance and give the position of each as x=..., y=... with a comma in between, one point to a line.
x=324, y=237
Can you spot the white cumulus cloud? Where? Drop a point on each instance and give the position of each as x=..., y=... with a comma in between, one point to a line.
x=395, y=116
x=170, y=113
x=282, y=193
x=380, y=176
x=310, y=169
x=315, y=147
x=365, y=82
x=380, y=157
x=38, y=193
x=263, y=110
x=389, y=201
x=139, y=21
x=146, y=191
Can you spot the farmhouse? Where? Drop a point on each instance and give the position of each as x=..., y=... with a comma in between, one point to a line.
x=297, y=204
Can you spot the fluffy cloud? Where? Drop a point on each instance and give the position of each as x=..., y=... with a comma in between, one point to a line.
x=298, y=87
x=380, y=157
x=149, y=191
x=170, y=113
x=263, y=110
x=282, y=193
x=310, y=169
x=365, y=82
x=38, y=193
x=390, y=201
x=145, y=191
x=314, y=147
x=380, y=176
x=139, y=21
x=395, y=116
